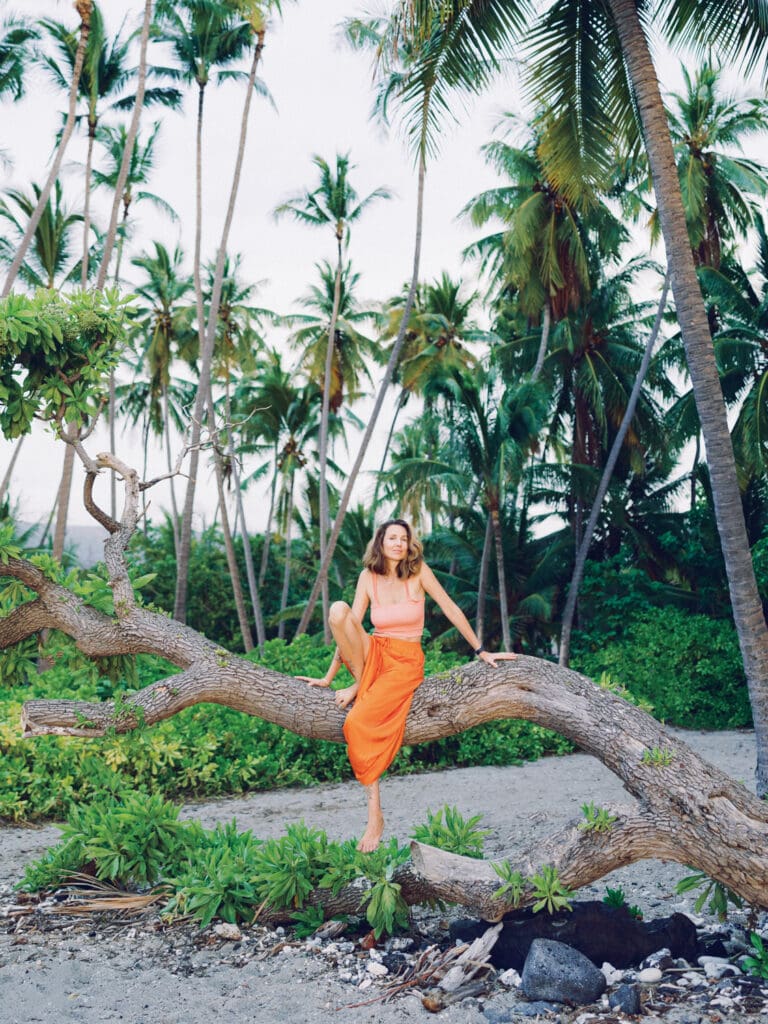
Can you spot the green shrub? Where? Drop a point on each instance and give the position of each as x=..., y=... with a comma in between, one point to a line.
x=688, y=666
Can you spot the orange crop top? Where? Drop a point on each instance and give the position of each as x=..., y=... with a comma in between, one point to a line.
x=403, y=620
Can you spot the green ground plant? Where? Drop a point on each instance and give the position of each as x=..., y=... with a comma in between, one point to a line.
x=720, y=896
x=757, y=963
x=448, y=830
x=616, y=898
x=596, y=819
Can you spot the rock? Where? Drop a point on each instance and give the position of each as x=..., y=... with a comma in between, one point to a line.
x=649, y=976
x=715, y=971
x=611, y=975
x=499, y=1014
x=595, y=929
x=395, y=961
x=538, y=1006
x=626, y=999
x=230, y=932
x=510, y=978
x=376, y=970
x=556, y=972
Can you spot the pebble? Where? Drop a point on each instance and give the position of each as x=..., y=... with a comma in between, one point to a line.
x=649, y=976
x=510, y=978
x=611, y=974
x=230, y=932
x=376, y=969
x=365, y=983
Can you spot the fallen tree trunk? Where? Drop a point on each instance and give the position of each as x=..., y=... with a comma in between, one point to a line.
x=687, y=810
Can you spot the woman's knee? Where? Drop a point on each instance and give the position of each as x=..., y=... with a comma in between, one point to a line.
x=338, y=613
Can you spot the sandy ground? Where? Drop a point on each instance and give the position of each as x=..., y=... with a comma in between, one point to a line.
x=76, y=975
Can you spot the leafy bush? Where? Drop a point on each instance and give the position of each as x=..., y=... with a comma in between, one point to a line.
x=688, y=666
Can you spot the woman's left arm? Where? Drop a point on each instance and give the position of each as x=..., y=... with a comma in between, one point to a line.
x=456, y=616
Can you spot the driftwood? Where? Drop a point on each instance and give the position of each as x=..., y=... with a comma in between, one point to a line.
x=687, y=810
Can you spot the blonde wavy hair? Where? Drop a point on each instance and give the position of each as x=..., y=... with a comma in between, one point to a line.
x=374, y=560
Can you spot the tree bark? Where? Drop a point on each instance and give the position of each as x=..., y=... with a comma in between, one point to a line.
x=583, y=550
x=287, y=567
x=84, y=8
x=691, y=314
x=87, y=206
x=324, y=418
x=62, y=502
x=482, y=581
x=268, y=530
x=546, y=321
x=493, y=514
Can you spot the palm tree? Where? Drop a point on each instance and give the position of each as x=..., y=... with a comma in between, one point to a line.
x=437, y=344
x=350, y=347
x=333, y=203
x=237, y=346
x=51, y=263
x=740, y=347
x=140, y=167
x=84, y=9
x=720, y=190
x=547, y=247
x=102, y=83
x=205, y=34
x=586, y=540
x=16, y=34
x=165, y=327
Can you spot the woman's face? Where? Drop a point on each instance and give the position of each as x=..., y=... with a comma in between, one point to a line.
x=395, y=543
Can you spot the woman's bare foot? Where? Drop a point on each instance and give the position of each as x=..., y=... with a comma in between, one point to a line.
x=372, y=835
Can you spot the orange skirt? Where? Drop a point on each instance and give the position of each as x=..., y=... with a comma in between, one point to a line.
x=375, y=726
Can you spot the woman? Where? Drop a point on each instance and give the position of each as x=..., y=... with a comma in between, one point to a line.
x=388, y=665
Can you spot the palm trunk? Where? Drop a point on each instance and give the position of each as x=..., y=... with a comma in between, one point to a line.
x=62, y=502
x=569, y=611
x=268, y=530
x=695, y=469
x=482, y=583
x=169, y=463
x=258, y=617
x=287, y=569
x=130, y=141
x=388, y=375
x=543, y=344
x=121, y=242
x=691, y=314
x=206, y=350
x=400, y=403
x=7, y=475
x=229, y=547
x=185, y=532
x=111, y=409
x=502, y=576
x=84, y=8
x=87, y=207
x=324, y=418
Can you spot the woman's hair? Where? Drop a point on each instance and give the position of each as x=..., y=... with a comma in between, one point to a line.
x=374, y=560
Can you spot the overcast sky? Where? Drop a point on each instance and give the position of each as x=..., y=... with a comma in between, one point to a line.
x=323, y=97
